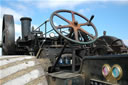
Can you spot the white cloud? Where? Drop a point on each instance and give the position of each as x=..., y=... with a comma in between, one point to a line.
x=83, y=11
x=125, y=42
x=5, y=10
x=17, y=31
x=66, y=3
x=18, y=28
x=19, y=6
x=52, y=4
x=58, y=3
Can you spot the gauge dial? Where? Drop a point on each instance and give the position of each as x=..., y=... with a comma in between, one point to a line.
x=106, y=70
x=117, y=72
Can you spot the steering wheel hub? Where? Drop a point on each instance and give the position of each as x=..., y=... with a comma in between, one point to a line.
x=76, y=23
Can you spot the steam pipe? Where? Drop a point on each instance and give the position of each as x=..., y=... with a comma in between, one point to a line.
x=25, y=26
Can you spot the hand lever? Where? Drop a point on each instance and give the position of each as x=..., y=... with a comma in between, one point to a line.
x=91, y=18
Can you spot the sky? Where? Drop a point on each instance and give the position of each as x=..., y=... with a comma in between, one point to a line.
x=110, y=15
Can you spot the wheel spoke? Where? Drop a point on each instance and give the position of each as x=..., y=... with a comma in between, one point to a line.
x=62, y=17
x=87, y=33
x=64, y=26
x=73, y=17
x=76, y=34
x=83, y=24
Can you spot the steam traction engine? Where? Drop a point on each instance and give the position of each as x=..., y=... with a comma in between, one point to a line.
x=77, y=57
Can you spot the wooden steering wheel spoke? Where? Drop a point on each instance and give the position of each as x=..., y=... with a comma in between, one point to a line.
x=87, y=33
x=62, y=18
x=84, y=24
x=64, y=26
x=73, y=17
x=76, y=34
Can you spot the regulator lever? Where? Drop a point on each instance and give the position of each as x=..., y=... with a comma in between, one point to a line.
x=91, y=18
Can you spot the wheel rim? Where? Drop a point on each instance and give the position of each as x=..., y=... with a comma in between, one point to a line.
x=8, y=35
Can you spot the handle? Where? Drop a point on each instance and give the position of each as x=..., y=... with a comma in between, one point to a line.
x=91, y=18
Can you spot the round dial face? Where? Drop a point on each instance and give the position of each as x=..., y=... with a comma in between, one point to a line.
x=105, y=71
x=52, y=35
x=115, y=72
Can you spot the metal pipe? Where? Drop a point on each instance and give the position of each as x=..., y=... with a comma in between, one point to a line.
x=40, y=49
x=26, y=26
x=42, y=24
x=106, y=57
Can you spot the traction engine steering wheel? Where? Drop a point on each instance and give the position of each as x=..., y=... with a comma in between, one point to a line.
x=75, y=27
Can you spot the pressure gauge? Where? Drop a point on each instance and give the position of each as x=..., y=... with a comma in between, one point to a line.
x=117, y=72
x=52, y=34
x=106, y=70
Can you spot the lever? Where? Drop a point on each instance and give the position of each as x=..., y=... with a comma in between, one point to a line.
x=91, y=18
